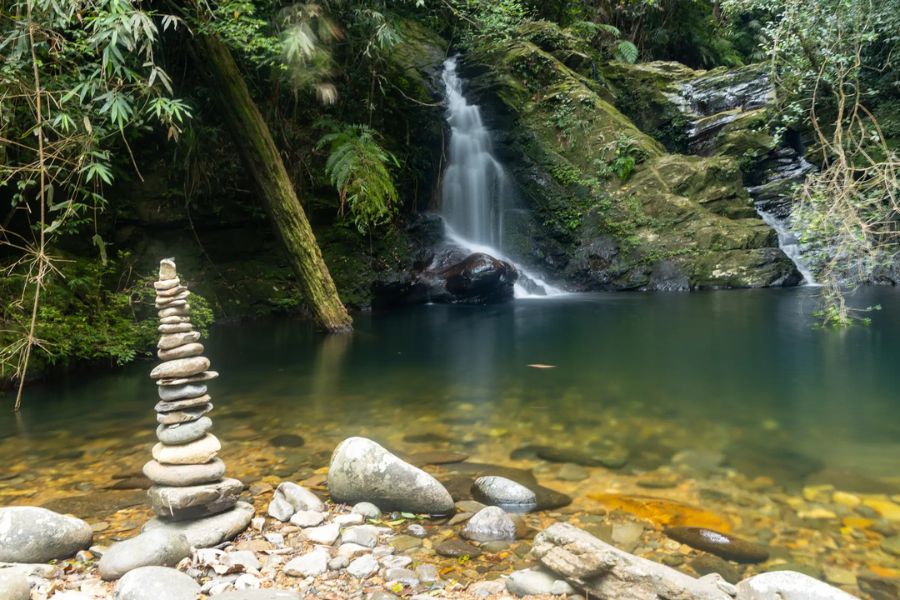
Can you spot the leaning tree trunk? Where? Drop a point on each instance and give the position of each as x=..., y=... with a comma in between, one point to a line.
x=260, y=155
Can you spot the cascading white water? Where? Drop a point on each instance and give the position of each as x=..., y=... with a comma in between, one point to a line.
x=789, y=244
x=475, y=186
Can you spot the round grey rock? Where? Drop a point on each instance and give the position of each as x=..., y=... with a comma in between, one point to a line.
x=505, y=493
x=183, y=433
x=362, y=470
x=290, y=498
x=29, y=534
x=490, y=524
x=150, y=548
x=184, y=475
x=309, y=565
x=154, y=583
x=14, y=585
x=364, y=535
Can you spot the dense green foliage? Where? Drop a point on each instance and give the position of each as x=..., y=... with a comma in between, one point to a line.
x=128, y=132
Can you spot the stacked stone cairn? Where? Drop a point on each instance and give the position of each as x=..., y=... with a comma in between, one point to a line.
x=189, y=478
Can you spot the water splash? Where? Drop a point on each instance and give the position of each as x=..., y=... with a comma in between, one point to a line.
x=476, y=186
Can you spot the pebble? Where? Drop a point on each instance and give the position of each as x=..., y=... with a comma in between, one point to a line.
x=351, y=551
x=457, y=548
x=626, y=535
x=364, y=535
x=178, y=392
x=307, y=518
x=154, y=583
x=537, y=581
x=403, y=543
x=427, y=573
x=183, y=433
x=192, y=453
x=337, y=563
x=184, y=475
x=404, y=576
x=416, y=530
x=483, y=589
x=363, y=567
x=309, y=565
x=324, y=534
x=367, y=510
x=349, y=519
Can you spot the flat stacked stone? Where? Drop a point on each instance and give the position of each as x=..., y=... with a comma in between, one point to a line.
x=189, y=478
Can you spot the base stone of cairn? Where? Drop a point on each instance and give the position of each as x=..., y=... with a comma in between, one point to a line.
x=189, y=479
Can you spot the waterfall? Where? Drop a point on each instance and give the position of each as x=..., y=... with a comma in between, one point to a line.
x=476, y=187
x=711, y=102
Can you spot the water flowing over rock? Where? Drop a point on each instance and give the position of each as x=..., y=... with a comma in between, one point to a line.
x=30, y=534
x=607, y=572
x=363, y=471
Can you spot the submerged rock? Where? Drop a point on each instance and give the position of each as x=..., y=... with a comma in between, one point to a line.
x=150, y=548
x=363, y=471
x=490, y=524
x=718, y=543
x=454, y=548
x=788, y=585
x=29, y=534
x=505, y=493
x=155, y=583
x=607, y=572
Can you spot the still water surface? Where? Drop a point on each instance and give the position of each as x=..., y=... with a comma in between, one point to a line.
x=743, y=373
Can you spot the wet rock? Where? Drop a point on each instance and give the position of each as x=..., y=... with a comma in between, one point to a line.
x=537, y=581
x=309, y=565
x=362, y=470
x=184, y=475
x=607, y=572
x=364, y=535
x=404, y=543
x=879, y=588
x=787, y=585
x=454, y=548
x=721, y=544
x=572, y=472
x=153, y=583
x=505, y=493
x=209, y=531
x=488, y=525
x=699, y=460
x=783, y=464
x=416, y=530
x=891, y=545
x=287, y=440
x=626, y=535
x=436, y=457
x=151, y=548
x=427, y=573
x=614, y=458
x=460, y=483
x=14, y=585
x=704, y=565
x=289, y=498
x=426, y=438
x=29, y=534
x=363, y=567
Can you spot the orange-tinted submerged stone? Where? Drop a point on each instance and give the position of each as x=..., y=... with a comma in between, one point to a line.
x=721, y=544
x=663, y=512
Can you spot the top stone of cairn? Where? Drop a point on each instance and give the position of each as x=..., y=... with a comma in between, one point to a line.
x=167, y=269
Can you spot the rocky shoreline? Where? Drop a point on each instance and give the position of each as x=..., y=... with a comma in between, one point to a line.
x=307, y=547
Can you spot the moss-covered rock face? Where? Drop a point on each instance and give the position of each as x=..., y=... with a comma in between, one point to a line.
x=676, y=222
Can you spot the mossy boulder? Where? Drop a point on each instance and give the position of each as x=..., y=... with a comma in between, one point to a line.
x=678, y=222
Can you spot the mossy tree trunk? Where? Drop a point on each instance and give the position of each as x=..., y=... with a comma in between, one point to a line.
x=261, y=158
